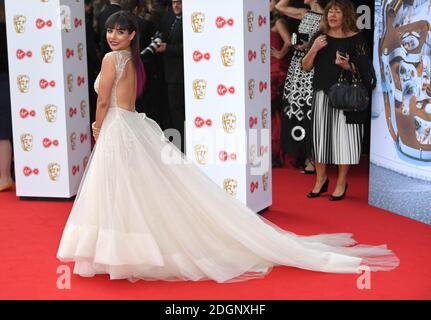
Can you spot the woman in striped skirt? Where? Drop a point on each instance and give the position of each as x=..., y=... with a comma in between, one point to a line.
x=337, y=135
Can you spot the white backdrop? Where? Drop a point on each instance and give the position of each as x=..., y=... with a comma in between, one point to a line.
x=49, y=95
x=227, y=92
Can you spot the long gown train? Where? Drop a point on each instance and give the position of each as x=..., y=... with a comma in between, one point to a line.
x=142, y=213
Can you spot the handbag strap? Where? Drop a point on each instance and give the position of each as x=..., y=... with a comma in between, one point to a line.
x=356, y=77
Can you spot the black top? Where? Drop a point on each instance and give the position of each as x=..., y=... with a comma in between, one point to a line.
x=326, y=72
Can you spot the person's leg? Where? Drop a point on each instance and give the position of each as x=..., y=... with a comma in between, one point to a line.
x=5, y=162
x=341, y=180
x=320, y=177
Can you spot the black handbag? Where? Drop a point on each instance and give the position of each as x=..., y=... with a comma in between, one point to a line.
x=349, y=96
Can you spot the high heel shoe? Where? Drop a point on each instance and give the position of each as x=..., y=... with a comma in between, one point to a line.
x=337, y=198
x=323, y=188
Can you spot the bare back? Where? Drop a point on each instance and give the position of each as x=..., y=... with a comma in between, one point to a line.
x=123, y=94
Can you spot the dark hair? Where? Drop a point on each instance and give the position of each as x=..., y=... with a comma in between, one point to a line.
x=349, y=15
x=124, y=20
x=130, y=5
x=274, y=16
x=322, y=3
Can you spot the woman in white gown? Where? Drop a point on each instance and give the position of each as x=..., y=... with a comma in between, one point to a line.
x=138, y=217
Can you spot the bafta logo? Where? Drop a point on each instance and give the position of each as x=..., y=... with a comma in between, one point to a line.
x=19, y=23
x=23, y=82
x=229, y=186
x=199, y=88
x=47, y=53
x=198, y=22
x=201, y=154
x=80, y=51
x=27, y=142
x=54, y=171
x=250, y=20
x=265, y=181
x=264, y=118
x=263, y=52
x=83, y=106
x=51, y=113
x=66, y=21
x=73, y=140
x=229, y=122
x=228, y=56
x=70, y=82
x=251, y=86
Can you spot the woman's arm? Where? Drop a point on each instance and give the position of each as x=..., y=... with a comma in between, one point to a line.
x=284, y=34
x=317, y=44
x=296, y=13
x=106, y=82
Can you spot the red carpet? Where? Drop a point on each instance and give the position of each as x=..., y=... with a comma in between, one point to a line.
x=30, y=232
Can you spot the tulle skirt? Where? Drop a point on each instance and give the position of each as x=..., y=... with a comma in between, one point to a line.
x=143, y=212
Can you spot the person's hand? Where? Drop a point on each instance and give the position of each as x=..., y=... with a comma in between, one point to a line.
x=319, y=43
x=96, y=131
x=342, y=61
x=276, y=53
x=302, y=46
x=161, y=48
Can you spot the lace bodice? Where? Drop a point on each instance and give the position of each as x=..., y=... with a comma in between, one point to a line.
x=121, y=58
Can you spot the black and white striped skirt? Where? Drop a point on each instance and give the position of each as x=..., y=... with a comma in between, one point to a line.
x=334, y=141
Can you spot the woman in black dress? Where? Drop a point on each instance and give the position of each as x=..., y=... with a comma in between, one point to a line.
x=298, y=87
x=337, y=135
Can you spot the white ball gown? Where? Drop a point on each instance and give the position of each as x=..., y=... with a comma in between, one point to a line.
x=136, y=217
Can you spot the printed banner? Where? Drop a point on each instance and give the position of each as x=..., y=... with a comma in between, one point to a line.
x=400, y=178
x=49, y=95
x=227, y=92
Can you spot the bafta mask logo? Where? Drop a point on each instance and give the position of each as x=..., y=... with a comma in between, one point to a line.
x=264, y=118
x=54, y=171
x=265, y=181
x=250, y=21
x=80, y=51
x=73, y=140
x=198, y=22
x=228, y=56
x=66, y=21
x=23, y=82
x=201, y=153
x=251, y=86
x=252, y=154
x=229, y=122
x=199, y=88
x=19, y=23
x=47, y=53
x=83, y=106
x=51, y=113
x=27, y=142
x=229, y=186
x=70, y=82
x=263, y=50
x=85, y=162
